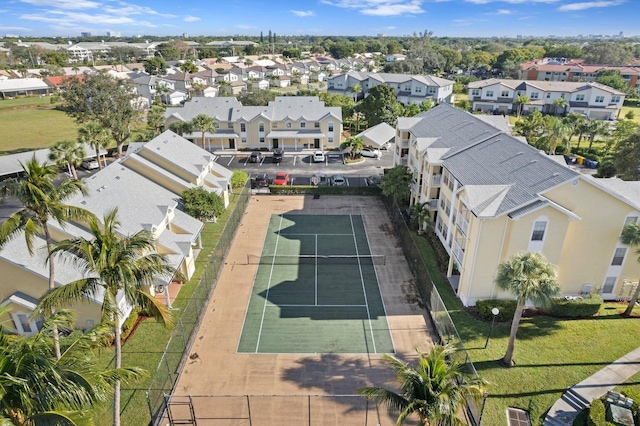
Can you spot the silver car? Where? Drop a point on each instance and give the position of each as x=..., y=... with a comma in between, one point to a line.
x=338, y=180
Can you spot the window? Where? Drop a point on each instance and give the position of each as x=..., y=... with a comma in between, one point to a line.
x=548, y=95
x=538, y=230
x=303, y=125
x=475, y=92
x=609, y=284
x=618, y=256
x=490, y=93
x=23, y=319
x=243, y=127
x=316, y=125
x=504, y=93
x=418, y=89
x=261, y=140
x=615, y=99
x=579, y=97
x=407, y=88
x=330, y=139
x=451, y=184
x=599, y=99
x=631, y=219
x=217, y=124
x=244, y=140
x=261, y=127
x=445, y=178
x=287, y=124
x=274, y=125
x=331, y=126
x=534, y=95
x=431, y=90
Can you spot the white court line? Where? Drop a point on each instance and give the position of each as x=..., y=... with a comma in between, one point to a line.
x=266, y=297
x=364, y=290
x=316, y=295
x=273, y=305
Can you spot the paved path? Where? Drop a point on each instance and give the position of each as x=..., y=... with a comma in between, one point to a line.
x=578, y=397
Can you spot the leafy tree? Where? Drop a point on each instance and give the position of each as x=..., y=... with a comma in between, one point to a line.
x=396, y=182
x=205, y=124
x=256, y=97
x=202, y=204
x=411, y=110
x=341, y=50
x=56, y=57
x=529, y=276
x=354, y=145
x=67, y=152
x=95, y=135
x=239, y=178
x=607, y=53
x=42, y=201
x=564, y=51
x=173, y=50
x=113, y=264
x=155, y=66
x=381, y=105
x=37, y=389
x=189, y=67
x=436, y=391
x=612, y=78
x=464, y=104
x=106, y=100
x=627, y=158
x=631, y=236
x=126, y=54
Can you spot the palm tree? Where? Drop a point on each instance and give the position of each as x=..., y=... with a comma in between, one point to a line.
x=555, y=131
x=118, y=265
x=35, y=388
x=529, y=276
x=198, y=87
x=559, y=103
x=597, y=128
x=155, y=118
x=181, y=127
x=420, y=212
x=42, y=201
x=631, y=236
x=224, y=87
x=162, y=89
x=573, y=121
x=95, y=135
x=530, y=127
x=204, y=123
x=435, y=391
x=582, y=129
x=353, y=144
x=356, y=89
x=520, y=101
x=69, y=152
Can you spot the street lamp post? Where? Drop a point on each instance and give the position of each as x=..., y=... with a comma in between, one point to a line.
x=495, y=312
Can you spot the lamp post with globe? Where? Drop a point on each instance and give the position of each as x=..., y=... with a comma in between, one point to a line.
x=494, y=312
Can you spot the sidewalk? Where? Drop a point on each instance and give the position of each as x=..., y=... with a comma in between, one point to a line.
x=578, y=397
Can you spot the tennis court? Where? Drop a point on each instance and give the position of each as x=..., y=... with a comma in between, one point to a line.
x=315, y=289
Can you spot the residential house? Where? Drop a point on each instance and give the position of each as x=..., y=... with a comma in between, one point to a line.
x=60, y=82
x=145, y=187
x=289, y=122
x=491, y=196
x=10, y=88
x=594, y=100
x=409, y=88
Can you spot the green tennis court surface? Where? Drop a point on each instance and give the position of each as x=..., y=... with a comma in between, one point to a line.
x=316, y=289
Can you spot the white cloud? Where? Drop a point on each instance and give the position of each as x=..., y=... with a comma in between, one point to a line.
x=589, y=5
x=504, y=12
x=190, y=18
x=71, y=18
x=511, y=1
x=14, y=29
x=302, y=13
x=65, y=4
x=244, y=26
x=380, y=7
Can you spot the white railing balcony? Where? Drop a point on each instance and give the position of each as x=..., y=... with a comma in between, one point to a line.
x=404, y=160
x=432, y=205
x=435, y=180
x=402, y=143
x=463, y=224
x=458, y=253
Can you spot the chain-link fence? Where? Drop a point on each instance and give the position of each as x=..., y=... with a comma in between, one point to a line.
x=442, y=322
x=177, y=347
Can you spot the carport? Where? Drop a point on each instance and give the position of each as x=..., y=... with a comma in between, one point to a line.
x=297, y=139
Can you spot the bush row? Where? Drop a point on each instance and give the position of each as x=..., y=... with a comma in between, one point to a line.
x=578, y=308
x=327, y=190
x=507, y=309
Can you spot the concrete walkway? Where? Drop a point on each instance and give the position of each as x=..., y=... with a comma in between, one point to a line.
x=578, y=397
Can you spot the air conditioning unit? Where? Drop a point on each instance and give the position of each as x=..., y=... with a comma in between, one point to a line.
x=159, y=289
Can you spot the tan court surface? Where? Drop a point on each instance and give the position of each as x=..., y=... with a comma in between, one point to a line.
x=214, y=369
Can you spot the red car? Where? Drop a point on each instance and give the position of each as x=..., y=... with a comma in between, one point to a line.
x=281, y=178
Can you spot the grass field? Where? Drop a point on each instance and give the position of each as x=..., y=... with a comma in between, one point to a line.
x=551, y=354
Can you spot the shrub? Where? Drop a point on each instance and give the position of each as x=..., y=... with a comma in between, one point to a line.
x=127, y=326
x=202, y=204
x=597, y=414
x=635, y=395
x=578, y=308
x=239, y=178
x=507, y=309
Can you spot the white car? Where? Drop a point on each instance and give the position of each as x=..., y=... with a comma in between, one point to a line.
x=318, y=157
x=338, y=180
x=90, y=164
x=371, y=153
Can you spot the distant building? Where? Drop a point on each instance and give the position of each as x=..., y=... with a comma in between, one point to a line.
x=113, y=34
x=85, y=34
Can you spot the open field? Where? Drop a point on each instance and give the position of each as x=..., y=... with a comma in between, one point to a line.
x=26, y=129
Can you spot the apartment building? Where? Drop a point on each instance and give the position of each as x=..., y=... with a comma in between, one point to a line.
x=594, y=100
x=289, y=122
x=491, y=195
x=409, y=88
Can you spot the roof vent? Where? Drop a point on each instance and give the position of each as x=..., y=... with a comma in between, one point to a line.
x=83, y=202
x=118, y=177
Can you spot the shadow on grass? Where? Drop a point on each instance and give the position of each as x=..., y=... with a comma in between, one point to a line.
x=15, y=151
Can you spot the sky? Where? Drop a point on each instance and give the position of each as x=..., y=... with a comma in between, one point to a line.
x=462, y=18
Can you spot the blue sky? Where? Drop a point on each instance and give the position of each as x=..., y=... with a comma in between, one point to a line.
x=319, y=17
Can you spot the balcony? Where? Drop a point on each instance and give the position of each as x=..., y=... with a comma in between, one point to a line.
x=432, y=205
x=463, y=224
x=402, y=143
x=435, y=180
x=458, y=253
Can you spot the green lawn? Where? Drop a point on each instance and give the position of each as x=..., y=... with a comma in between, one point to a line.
x=635, y=109
x=551, y=354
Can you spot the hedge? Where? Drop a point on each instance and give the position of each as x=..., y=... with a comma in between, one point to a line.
x=577, y=308
x=507, y=309
x=598, y=414
x=324, y=190
x=635, y=395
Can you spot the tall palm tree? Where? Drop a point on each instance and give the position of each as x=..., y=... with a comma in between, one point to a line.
x=42, y=201
x=529, y=276
x=555, y=131
x=631, y=236
x=119, y=265
x=181, y=127
x=597, y=128
x=435, y=391
x=356, y=89
x=559, y=103
x=353, y=144
x=35, y=388
x=420, y=212
x=204, y=123
x=530, y=127
x=155, y=118
x=582, y=129
x=95, y=135
x=67, y=152
x=573, y=121
x=520, y=101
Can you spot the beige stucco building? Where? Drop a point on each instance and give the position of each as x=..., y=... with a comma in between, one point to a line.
x=491, y=195
x=289, y=122
x=145, y=187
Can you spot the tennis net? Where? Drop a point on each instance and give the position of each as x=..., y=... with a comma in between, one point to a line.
x=333, y=259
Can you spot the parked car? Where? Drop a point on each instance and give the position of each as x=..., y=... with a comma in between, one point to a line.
x=374, y=180
x=282, y=178
x=278, y=153
x=255, y=157
x=261, y=180
x=90, y=164
x=319, y=180
x=318, y=157
x=371, y=153
x=338, y=180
